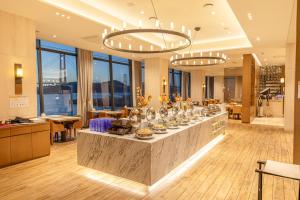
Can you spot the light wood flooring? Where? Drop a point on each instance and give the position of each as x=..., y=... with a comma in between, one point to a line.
x=226, y=172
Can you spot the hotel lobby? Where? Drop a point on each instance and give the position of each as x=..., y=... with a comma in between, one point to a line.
x=149, y=99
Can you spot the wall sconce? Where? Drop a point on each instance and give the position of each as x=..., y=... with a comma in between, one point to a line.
x=164, y=83
x=18, y=79
x=281, y=80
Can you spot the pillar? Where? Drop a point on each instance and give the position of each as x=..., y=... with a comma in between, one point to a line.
x=156, y=69
x=197, y=81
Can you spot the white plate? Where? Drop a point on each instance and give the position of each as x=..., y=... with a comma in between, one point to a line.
x=173, y=127
x=144, y=138
x=160, y=132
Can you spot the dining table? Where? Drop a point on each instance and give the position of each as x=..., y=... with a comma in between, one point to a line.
x=62, y=119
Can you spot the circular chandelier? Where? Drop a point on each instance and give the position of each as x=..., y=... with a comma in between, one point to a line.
x=172, y=39
x=198, y=59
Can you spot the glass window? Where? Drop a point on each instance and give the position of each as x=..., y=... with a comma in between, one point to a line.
x=59, y=79
x=99, y=55
x=209, y=87
x=122, y=86
x=174, y=83
x=58, y=47
x=59, y=83
x=119, y=59
x=101, y=85
x=111, y=82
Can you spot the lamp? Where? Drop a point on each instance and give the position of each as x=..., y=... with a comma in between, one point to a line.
x=19, y=73
x=164, y=83
x=18, y=78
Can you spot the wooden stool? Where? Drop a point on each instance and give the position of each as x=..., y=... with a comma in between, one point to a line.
x=279, y=169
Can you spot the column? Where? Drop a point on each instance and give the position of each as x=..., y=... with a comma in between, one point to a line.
x=248, y=98
x=156, y=69
x=197, y=81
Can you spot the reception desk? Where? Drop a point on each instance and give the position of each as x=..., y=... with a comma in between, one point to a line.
x=146, y=161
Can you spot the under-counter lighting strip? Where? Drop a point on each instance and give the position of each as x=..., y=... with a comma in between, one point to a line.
x=141, y=189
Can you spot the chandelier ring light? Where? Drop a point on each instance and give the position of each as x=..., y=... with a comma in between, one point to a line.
x=112, y=35
x=198, y=60
x=212, y=60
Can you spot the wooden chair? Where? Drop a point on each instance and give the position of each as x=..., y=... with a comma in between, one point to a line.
x=279, y=169
x=55, y=128
x=236, y=111
x=76, y=125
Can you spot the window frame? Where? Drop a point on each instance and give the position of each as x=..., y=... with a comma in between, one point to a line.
x=110, y=64
x=39, y=50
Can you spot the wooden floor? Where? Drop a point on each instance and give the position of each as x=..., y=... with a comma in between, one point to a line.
x=226, y=172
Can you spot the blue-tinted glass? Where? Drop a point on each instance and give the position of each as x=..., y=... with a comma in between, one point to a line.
x=119, y=59
x=71, y=67
x=174, y=83
x=59, y=73
x=101, y=85
x=38, y=85
x=100, y=55
x=59, y=47
x=122, y=87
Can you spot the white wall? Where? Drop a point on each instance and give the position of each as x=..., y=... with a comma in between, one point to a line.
x=17, y=45
x=197, y=79
x=219, y=88
x=290, y=65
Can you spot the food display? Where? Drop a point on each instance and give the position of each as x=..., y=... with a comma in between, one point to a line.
x=120, y=127
x=144, y=133
x=145, y=122
x=159, y=128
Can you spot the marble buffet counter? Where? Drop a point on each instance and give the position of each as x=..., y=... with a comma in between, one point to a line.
x=146, y=161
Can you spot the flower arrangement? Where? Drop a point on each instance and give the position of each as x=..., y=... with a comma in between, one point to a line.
x=164, y=99
x=140, y=99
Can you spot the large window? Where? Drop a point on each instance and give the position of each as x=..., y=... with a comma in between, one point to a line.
x=209, y=87
x=57, y=78
x=111, y=82
x=175, y=83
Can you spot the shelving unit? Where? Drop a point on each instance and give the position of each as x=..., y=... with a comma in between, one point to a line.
x=270, y=78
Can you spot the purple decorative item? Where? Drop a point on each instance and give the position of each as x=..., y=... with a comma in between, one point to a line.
x=100, y=124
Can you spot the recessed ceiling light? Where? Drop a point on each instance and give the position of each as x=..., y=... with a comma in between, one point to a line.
x=68, y=17
x=54, y=36
x=142, y=12
x=57, y=13
x=62, y=15
x=213, y=12
x=250, y=16
x=258, y=39
x=208, y=5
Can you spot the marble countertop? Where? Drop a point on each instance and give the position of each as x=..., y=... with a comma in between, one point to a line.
x=156, y=136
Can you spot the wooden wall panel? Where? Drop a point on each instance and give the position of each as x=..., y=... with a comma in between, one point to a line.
x=297, y=100
x=248, y=87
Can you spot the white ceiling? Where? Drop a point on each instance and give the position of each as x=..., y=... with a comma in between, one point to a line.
x=228, y=29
